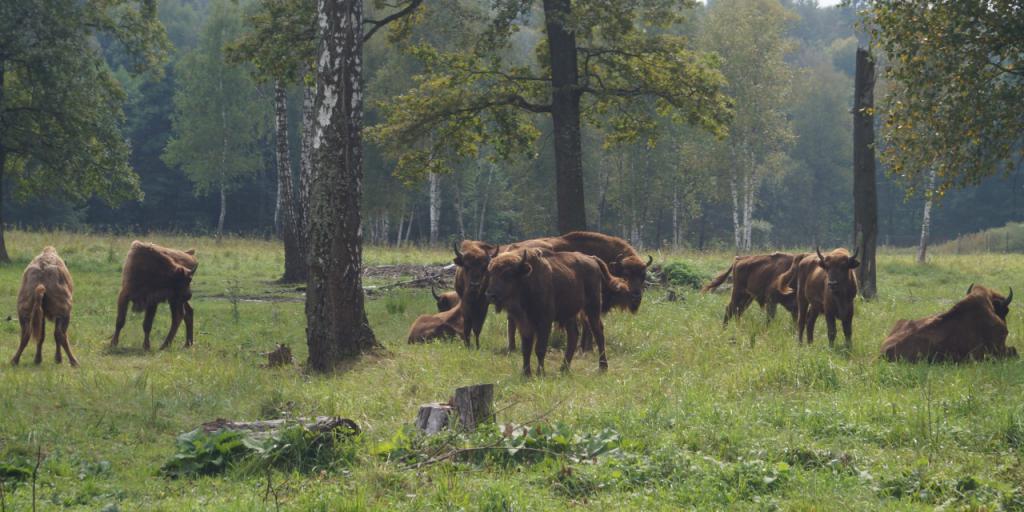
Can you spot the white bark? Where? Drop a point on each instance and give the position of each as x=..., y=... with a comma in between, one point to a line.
x=926, y=220
x=675, y=219
x=458, y=209
x=398, y=237
x=737, y=228
x=435, y=207
x=408, y=227
x=748, y=213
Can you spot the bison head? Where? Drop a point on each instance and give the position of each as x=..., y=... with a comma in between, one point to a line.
x=445, y=301
x=839, y=266
x=1000, y=304
x=633, y=271
x=473, y=259
x=504, y=275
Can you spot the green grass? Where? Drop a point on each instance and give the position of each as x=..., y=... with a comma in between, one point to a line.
x=1008, y=238
x=740, y=418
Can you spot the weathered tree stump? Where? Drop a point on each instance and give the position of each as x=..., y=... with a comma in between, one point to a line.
x=433, y=418
x=472, y=405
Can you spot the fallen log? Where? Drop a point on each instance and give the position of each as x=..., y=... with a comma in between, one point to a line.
x=320, y=424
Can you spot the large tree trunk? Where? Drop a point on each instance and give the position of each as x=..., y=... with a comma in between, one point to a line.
x=565, y=114
x=926, y=220
x=336, y=324
x=294, y=264
x=4, y=258
x=435, y=207
x=865, y=195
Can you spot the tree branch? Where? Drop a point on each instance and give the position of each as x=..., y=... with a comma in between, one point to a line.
x=379, y=24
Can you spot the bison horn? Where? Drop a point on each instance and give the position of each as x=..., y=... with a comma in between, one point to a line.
x=455, y=247
x=817, y=250
x=856, y=251
x=969, y=288
x=522, y=262
x=650, y=259
x=1009, y=298
x=433, y=292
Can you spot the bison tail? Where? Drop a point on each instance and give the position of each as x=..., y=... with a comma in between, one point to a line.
x=716, y=282
x=38, y=317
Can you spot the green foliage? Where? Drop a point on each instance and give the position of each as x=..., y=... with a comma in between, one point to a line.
x=956, y=85
x=281, y=40
x=678, y=273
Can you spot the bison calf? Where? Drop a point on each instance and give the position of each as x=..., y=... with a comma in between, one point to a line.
x=445, y=301
x=153, y=274
x=825, y=284
x=755, y=278
x=446, y=324
x=45, y=293
x=539, y=287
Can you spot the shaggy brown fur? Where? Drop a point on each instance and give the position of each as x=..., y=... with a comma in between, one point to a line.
x=755, y=277
x=446, y=300
x=972, y=329
x=472, y=258
x=825, y=284
x=46, y=288
x=446, y=324
x=153, y=274
x=620, y=257
x=539, y=287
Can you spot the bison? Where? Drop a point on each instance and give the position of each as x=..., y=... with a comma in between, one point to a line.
x=973, y=328
x=445, y=324
x=445, y=301
x=471, y=259
x=538, y=287
x=45, y=293
x=824, y=284
x=620, y=257
x=756, y=278
x=153, y=274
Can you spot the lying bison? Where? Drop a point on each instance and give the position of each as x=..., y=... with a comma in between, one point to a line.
x=45, y=293
x=538, y=287
x=824, y=284
x=755, y=278
x=445, y=324
x=972, y=329
x=153, y=274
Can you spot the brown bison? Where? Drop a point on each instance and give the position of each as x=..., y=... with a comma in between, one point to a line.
x=153, y=274
x=620, y=257
x=973, y=328
x=472, y=258
x=539, y=287
x=446, y=324
x=45, y=293
x=824, y=284
x=755, y=278
x=445, y=301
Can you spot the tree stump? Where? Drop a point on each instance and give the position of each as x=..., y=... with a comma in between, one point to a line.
x=475, y=405
x=281, y=356
x=433, y=418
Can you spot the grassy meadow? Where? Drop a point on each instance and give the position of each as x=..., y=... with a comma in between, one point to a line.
x=697, y=417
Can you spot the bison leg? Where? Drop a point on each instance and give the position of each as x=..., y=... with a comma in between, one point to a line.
x=597, y=326
x=147, y=325
x=467, y=325
x=830, y=322
x=39, y=343
x=812, y=318
x=848, y=332
x=587, y=337
x=572, y=332
x=26, y=333
x=511, y=335
x=801, y=322
x=122, y=315
x=177, y=314
x=770, y=308
x=60, y=335
x=189, y=333
x=527, y=349
x=541, y=347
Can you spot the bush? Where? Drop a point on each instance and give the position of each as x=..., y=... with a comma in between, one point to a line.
x=678, y=273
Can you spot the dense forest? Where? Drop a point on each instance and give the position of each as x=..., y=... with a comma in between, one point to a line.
x=201, y=136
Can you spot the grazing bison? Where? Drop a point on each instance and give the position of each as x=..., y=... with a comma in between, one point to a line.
x=446, y=324
x=756, y=278
x=445, y=301
x=153, y=274
x=472, y=258
x=45, y=293
x=620, y=257
x=538, y=287
x=825, y=284
x=973, y=328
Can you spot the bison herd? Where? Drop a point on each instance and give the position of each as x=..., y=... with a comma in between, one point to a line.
x=570, y=280
x=573, y=279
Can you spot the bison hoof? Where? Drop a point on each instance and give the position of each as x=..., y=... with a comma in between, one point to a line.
x=14, y=362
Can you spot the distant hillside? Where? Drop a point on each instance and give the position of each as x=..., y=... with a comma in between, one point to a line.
x=1009, y=238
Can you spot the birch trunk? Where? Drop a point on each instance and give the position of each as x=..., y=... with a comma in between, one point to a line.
x=4, y=257
x=458, y=209
x=398, y=237
x=675, y=219
x=737, y=228
x=926, y=221
x=748, y=213
x=408, y=227
x=435, y=207
x=223, y=211
x=336, y=325
x=483, y=207
x=305, y=176
x=294, y=263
